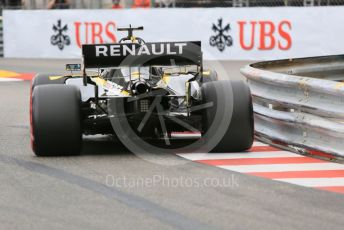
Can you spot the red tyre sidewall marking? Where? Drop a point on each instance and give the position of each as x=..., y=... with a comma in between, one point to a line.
x=32, y=138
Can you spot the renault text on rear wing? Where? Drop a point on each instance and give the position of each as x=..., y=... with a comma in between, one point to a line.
x=132, y=54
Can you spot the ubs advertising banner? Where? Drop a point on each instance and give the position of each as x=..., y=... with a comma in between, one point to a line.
x=225, y=33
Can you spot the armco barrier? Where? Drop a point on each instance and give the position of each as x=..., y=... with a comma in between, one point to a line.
x=300, y=102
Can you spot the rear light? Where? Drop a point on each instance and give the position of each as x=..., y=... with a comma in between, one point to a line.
x=144, y=105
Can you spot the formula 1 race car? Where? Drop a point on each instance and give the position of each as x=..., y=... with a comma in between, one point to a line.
x=138, y=91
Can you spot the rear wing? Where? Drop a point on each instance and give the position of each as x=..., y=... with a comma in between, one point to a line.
x=147, y=54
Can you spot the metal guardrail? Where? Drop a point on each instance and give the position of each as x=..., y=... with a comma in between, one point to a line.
x=1, y=39
x=300, y=102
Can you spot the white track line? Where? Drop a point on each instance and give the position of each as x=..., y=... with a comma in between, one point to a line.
x=9, y=79
x=245, y=155
x=315, y=182
x=282, y=167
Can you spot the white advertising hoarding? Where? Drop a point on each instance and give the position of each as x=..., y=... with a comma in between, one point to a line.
x=226, y=33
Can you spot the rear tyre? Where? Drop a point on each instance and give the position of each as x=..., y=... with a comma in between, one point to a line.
x=56, y=120
x=41, y=79
x=239, y=133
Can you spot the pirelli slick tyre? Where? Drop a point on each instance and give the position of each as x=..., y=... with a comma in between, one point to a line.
x=239, y=133
x=44, y=79
x=209, y=76
x=56, y=120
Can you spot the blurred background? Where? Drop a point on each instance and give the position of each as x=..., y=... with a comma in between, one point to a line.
x=117, y=4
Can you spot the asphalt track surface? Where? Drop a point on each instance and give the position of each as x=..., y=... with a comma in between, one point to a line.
x=74, y=193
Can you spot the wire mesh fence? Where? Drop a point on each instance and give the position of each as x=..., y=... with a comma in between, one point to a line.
x=103, y=4
x=255, y=3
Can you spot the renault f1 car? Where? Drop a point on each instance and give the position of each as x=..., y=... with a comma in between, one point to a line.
x=152, y=91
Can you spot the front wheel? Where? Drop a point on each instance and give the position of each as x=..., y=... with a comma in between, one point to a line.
x=209, y=76
x=46, y=79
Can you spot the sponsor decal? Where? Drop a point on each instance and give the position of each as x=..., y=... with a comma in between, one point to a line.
x=94, y=32
x=84, y=33
x=60, y=39
x=221, y=39
x=253, y=35
x=265, y=35
x=132, y=49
